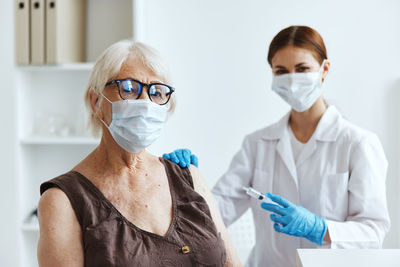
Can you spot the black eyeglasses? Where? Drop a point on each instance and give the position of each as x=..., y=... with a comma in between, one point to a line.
x=132, y=89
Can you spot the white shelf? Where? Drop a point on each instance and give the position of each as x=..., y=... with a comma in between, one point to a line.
x=39, y=140
x=30, y=227
x=84, y=66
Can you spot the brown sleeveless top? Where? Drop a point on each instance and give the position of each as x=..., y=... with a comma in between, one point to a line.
x=109, y=239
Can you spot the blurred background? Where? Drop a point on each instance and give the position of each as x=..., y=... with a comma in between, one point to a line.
x=216, y=51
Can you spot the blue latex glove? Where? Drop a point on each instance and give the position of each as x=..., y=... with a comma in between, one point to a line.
x=183, y=157
x=295, y=220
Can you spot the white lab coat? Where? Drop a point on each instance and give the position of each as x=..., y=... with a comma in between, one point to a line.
x=340, y=176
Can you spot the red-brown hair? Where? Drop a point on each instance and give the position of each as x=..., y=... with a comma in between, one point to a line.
x=299, y=36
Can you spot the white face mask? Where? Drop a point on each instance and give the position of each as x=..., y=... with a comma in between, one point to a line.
x=136, y=124
x=299, y=90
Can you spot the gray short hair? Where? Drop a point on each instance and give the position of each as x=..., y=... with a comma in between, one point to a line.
x=109, y=64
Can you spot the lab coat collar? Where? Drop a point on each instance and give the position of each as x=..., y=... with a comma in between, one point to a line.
x=327, y=129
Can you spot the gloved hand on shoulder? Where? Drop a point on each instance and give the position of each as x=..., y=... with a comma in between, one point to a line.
x=183, y=157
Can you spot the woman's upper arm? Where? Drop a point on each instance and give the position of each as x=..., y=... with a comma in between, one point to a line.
x=201, y=188
x=60, y=242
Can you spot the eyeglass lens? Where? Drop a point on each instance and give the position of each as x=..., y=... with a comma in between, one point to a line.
x=158, y=93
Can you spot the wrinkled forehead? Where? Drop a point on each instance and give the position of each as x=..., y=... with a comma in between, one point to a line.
x=136, y=69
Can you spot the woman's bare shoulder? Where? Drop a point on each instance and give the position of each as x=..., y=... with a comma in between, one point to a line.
x=51, y=197
x=54, y=206
x=60, y=242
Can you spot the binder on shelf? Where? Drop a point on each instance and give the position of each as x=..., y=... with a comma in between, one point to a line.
x=65, y=31
x=38, y=31
x=22, y=32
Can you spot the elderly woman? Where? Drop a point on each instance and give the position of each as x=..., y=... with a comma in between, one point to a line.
x=122, y=206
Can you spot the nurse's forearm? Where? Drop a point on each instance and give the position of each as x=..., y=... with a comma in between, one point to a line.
x=327, y=237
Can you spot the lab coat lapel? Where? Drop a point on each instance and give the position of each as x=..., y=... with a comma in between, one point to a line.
x=284, y=149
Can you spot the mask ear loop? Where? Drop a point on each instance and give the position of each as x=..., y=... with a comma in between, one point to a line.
x=321, y=70
x=322, y=79
x=105, y=124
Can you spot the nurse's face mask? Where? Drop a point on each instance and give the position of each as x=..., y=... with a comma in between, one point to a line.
x=299, y=90
x=137, y=123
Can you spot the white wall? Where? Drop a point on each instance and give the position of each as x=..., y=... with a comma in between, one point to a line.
x=217, y=53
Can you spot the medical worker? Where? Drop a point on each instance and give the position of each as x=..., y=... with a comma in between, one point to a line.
x=325, y=176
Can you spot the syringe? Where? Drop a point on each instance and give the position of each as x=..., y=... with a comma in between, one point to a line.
x=255, y=194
